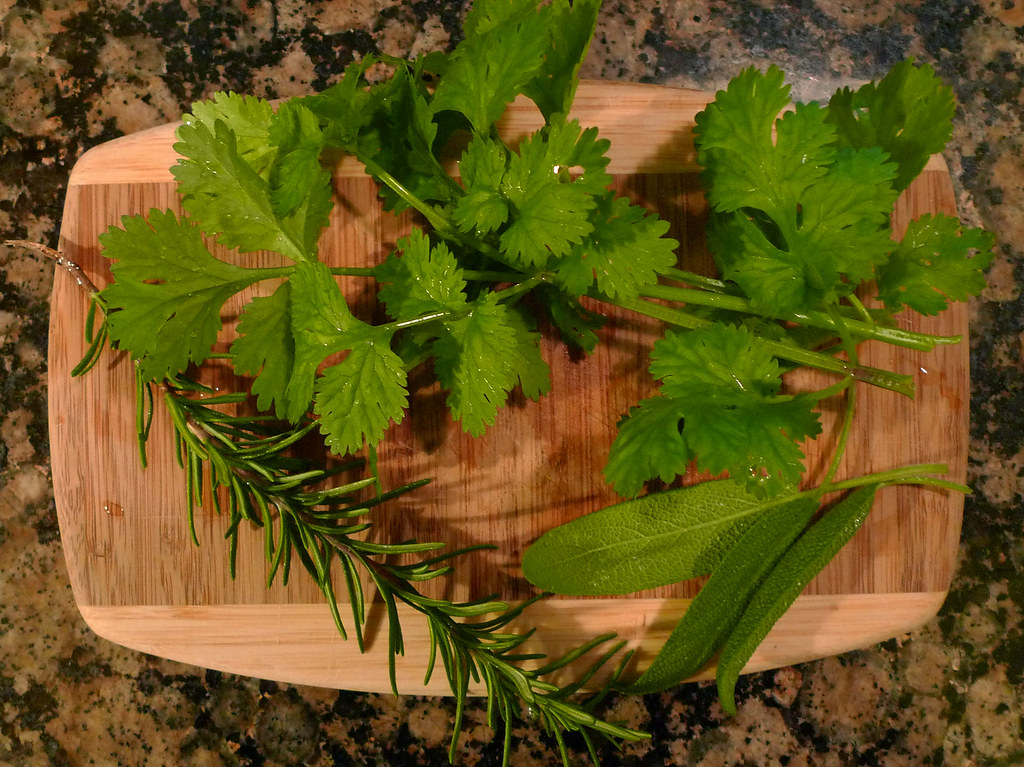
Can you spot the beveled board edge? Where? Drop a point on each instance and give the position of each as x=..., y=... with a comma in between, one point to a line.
x=299, y=644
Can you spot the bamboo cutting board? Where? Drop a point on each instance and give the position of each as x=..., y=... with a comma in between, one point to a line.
x=139, y=580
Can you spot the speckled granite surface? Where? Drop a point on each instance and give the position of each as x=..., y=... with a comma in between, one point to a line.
x=75, y=72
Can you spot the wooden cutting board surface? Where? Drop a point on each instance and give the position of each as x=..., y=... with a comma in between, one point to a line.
x=139, y=580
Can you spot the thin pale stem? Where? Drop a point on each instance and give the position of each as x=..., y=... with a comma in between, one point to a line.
x=862, y=329
x=886, y=379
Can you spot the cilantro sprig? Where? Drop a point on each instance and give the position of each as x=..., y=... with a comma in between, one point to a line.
x=518, y=239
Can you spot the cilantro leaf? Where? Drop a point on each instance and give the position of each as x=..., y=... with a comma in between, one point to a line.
x=248, y=118
x=719, y=402
x=721, y=361
x=477, y=360
x=401, y=139
x=233, y=201
x=284, y=339
x=758, y=437
x=296, y=171
x=576, y=323
x=576, y=154
x=935, y=262
x=626, y=251
x=390, y=124
x=420, y=278
x=503, y=48
x=649, y=444
x=482, y=168
x=795, y=222
x=347, y=107
x=264, y=348
x=532, y=372
x=550, y=209
x=569, y=34
x=357, y=398
x=320, y=324
x=742, y=166
x=909, y=114
x=165, y=302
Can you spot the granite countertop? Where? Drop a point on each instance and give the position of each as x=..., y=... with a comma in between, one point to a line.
x=76, y=73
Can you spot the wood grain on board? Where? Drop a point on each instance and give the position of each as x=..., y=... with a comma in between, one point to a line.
x=140, y=581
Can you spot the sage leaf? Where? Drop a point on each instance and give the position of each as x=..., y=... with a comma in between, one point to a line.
x=718, y=606
x=804, y=560
x=645, y=542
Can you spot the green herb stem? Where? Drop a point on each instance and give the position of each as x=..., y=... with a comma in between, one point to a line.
x=861, y=329
x=917, y=474
x=429, y=212
x=886, y=379
x=696, y=280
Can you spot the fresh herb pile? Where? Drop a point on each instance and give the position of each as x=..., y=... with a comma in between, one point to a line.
x=800, y=232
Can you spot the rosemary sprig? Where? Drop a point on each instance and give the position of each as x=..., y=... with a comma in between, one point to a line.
x=250, y=469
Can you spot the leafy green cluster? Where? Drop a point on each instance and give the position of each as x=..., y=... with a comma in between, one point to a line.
x=801, y=201
x=538, y=217
x=801, y=198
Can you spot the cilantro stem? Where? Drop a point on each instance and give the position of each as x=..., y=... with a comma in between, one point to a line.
x=437, y=220
x=860, y=328
x=886, y=379
x=851, y=397
x=861, y=309
x=696, y=280
x=352, y=271
x=434, y=218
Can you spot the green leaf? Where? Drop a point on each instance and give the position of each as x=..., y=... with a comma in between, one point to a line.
x=321, y=324
x=798, y=566
x=482, y=167
x=248, y=118
x=908, y=114
x=347, y=108
x=297, y=179
x=358, y=398
x=935, y=262
x=576, y=323
x=742, y=165
x=720, y=388
x=503, y=49
x=646, y=542
x=532, y=372
x=569, y=34
x=165, y=302
x=625, y=252
x=419, y=278
x=265, y=348
x=711, y=616
x=795, y=222
x=550, y=208
x=649, y=444
x=402, y=139
x=233, y=201
x=477, y=359
x=757, y=439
